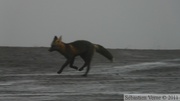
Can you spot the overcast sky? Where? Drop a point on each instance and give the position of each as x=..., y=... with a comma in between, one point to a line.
x=137, y=24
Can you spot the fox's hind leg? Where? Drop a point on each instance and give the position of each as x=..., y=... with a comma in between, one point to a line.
x=87, y=71
x=85, y=64
x=87, y=58
x=83, y=56
x=88, y=62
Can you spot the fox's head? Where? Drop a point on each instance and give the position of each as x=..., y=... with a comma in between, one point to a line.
x=56, y=44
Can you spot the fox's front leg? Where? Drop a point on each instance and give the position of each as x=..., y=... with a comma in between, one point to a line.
x=71, y=64
x=63, y=66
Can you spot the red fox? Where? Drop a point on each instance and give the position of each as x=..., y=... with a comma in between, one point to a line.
x=82, y=48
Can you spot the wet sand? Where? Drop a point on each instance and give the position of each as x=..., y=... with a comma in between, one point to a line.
x=29, y=74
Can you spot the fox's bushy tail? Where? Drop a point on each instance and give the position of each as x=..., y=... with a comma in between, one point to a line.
x=100, y=49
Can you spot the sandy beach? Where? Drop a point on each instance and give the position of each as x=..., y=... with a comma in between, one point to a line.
x=30, y=74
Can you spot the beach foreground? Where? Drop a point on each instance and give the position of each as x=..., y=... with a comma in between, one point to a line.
x=29, y=74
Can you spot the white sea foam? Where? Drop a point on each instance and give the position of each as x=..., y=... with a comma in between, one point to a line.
x=145, y=65
x=15, y=82
x=36, y=74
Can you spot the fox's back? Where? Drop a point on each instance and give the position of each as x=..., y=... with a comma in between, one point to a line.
x=82, y=45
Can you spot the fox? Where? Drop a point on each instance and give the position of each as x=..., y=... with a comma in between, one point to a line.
x=82, y=48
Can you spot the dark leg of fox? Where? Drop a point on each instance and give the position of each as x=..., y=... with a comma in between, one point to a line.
x=85, y=64
x=71, y=64
x=88, y=62
x=88, y=68
x=63, y=66
x=83, y=56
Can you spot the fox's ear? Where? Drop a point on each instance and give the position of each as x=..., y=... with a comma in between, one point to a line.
x=60, y=38
x=55, y=37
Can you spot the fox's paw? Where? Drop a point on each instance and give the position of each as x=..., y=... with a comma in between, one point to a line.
x=74, y=67
x=59, y=72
